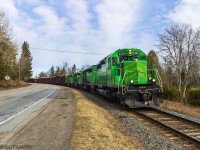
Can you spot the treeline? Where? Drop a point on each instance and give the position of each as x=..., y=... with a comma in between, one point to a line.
x=20, y=68
x=179, y=63
x=64, y=69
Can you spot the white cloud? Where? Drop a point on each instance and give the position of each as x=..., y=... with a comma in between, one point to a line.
x=187, y=11
x=117, y=20
x=98, y=27
x=29, y=2
x=51, y=24
x=77, y=11
x=9, y=8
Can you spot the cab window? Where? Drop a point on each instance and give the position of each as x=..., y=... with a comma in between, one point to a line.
x=143, y=58
x=123, y=58
x=108, y=63
x=114, y=61
x=134, y=57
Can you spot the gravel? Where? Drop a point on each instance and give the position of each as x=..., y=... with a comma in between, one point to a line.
x=150, y=137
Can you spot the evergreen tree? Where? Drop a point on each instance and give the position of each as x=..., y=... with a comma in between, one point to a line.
x=52, y=72
x=65, y=68
x=74, y=69
x=63, y=71
x=25, y=62
x=57, y=72
x=153, y=60
x=43, y=74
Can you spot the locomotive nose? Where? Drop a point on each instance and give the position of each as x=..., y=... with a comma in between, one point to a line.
x=135, y=72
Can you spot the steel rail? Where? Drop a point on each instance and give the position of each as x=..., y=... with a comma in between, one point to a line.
x=195, y=141
x=177, y=117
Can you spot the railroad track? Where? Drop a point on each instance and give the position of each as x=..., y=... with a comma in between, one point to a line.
x=180, y=130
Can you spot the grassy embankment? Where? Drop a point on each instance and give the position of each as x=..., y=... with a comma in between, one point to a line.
x=191, y=105
x=187, y=109
x=96, y=128
x=11, y=84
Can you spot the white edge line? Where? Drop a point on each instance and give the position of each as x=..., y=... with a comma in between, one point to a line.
x=25, y=109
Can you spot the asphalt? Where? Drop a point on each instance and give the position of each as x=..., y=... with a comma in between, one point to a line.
x=16, y=105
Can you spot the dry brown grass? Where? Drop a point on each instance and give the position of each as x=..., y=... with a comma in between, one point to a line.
x=96, y=128
x=11, y=84
x=182, y=108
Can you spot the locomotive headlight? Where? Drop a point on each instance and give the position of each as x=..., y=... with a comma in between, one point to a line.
x=131, y=81
x=129, y=52
x=153, y=80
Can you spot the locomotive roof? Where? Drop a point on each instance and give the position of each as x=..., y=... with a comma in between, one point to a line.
x=107, y=57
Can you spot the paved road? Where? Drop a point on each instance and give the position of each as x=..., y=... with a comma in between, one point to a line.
x=17, y=104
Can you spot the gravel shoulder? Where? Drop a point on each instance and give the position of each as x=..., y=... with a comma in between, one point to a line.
x=49, y=128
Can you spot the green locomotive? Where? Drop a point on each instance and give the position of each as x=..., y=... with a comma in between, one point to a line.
x=125, y=77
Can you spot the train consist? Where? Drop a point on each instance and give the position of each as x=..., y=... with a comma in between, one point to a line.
x=122, y=76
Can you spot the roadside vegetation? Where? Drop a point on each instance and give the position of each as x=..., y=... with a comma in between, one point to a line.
x=186, y=109
x=16, y=67
x=178, y=62
x=11, y=84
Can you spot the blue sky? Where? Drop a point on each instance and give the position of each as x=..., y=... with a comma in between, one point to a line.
x=93, y=26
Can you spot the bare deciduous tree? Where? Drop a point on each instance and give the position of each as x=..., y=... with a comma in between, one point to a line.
x=8, y=48
x=180, y=46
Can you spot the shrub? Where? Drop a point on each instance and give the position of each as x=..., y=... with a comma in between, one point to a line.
x=170, y=93
x=193, y=97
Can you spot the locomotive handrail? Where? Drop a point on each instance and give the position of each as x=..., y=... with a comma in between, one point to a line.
x=160, y=80
x=93, y=79
x=119, y=78
x=125, y=75
x=123, y=81
x=157, y=76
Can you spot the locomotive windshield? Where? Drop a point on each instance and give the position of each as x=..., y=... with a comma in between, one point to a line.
x=129, y=58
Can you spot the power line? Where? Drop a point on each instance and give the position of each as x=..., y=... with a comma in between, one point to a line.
x=55, y=50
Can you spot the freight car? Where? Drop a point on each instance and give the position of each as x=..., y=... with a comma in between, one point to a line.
x=123, y=76
x=59, y=80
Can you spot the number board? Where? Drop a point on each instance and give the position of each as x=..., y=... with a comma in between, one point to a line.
x=135, y=53
x=125, y=53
